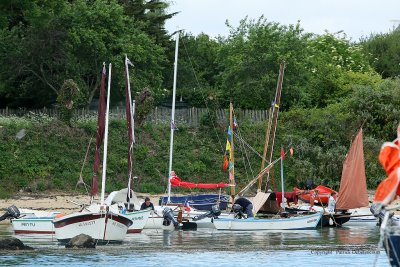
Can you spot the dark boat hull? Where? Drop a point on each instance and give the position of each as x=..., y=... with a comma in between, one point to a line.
x=391, y=243
x=199, y=202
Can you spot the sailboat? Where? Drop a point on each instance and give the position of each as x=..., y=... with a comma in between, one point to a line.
x=126, y=197
x=102, y=222
x=352, y=203
x=284, y=222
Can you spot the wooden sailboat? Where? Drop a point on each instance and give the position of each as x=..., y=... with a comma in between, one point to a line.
x=283, y=222
x=126, y=197
x=353, y=196
x=102, y=222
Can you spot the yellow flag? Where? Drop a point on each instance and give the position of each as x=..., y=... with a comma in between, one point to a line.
x=228, y=146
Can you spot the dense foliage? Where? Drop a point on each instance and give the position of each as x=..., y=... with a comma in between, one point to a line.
x=51, y=54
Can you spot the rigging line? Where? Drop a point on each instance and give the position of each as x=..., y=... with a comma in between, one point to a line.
x=202, y=94
x=245, y=152
x=249, y=146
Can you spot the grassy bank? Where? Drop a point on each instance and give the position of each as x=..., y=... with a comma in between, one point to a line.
x=50, y=156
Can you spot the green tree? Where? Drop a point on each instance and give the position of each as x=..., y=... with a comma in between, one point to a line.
x=384, y=52
x=70, y=40
x=250, y=59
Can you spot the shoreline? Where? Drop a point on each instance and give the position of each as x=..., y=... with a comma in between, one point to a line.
x=69, y=203
x=65, y=203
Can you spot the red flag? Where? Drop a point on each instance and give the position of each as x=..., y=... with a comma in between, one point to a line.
x=226, y=163
x=282, y=154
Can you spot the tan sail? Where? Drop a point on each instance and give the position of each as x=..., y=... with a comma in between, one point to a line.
x=353, y=184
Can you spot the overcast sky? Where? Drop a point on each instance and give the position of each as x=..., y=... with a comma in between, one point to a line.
x=355, y=17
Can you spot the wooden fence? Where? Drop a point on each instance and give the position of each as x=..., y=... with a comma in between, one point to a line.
x=191, y=116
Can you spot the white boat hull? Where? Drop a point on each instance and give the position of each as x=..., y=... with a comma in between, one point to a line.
x=34, y=222
x=33, y=225
x=139, y=220
x=252, y=224
x=103, y=227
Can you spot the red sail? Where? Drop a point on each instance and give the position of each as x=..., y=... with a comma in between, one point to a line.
x=176, y=181
x=101, y=116
x=353, y=184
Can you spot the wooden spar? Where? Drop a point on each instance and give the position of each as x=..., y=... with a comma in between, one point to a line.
x=275, y=107
x=267, y=134
x=232, y=176
x=263, y=172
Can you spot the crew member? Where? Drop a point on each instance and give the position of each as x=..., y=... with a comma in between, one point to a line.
x=147, y=204
x=246, y=205
x=332, y=202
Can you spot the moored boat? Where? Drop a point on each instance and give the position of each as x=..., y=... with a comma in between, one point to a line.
x=277, y=223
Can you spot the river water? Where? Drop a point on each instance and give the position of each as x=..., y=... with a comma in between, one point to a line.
x=346, y=246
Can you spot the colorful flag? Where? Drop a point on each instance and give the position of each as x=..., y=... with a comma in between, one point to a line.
x=228, y=146
x=282, y=154
x=226, y=163
x=229, y=133
x=235, y=125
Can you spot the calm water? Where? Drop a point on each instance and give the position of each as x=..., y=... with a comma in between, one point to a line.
x=350, y=246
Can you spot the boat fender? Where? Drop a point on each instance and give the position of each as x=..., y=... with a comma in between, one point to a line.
x=330, y=221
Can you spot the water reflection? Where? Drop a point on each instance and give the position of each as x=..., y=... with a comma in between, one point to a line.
x=180, y=248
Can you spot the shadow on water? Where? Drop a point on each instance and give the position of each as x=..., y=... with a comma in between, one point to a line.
x=353, y=246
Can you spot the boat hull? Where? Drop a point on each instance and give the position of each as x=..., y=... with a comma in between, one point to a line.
x=34, y=225
x=391, y=243
x=252, y=224
x=199, y=202
x=103, y=227
x=139, y=220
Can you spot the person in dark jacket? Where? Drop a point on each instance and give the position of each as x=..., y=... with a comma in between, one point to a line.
x=246, y=205
x=147, y=204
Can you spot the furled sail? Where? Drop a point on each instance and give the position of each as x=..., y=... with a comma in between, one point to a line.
x=101, y=116
x=176, y=181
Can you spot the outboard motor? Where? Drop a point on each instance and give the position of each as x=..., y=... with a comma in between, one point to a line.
x=11, y=212
x=379, y=212
x=238, y=210
x=213, y=213
x=168, y=215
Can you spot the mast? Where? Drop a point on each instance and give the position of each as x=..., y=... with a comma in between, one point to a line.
x=267, y=134
x=171, y=144
x=130, y=123
x=282, y=182
x=103, y=178
x=275, y=114
x=100, y=133
x=231, y=156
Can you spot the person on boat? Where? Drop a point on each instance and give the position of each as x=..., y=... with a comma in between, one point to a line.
x=332, y=202
x=147, y=204
x=246, y=205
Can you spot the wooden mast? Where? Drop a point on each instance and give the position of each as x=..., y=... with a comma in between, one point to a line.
x=275, y=108
x=232, y=158
x=267, y=134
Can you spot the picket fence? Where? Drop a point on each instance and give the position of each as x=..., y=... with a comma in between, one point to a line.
x=190, y=116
